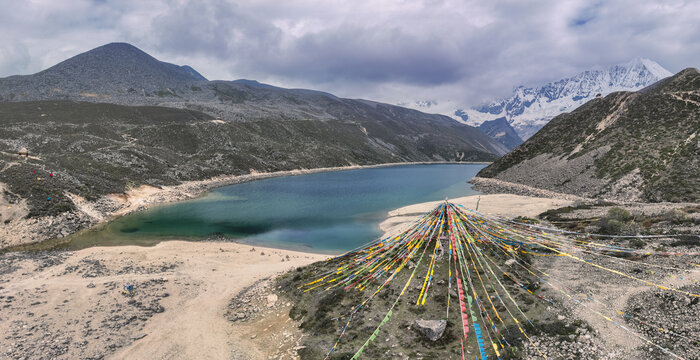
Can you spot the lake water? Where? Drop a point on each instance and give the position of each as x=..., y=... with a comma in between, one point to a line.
x=322, y=212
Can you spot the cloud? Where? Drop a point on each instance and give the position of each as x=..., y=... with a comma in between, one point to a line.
x=453, y=51
x=14, y=58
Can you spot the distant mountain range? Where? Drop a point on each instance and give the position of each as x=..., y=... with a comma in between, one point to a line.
x=115, y=117
x=531, y=108
x=628, y=146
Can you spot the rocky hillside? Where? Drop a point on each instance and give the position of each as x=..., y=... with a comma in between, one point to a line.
x=531, y=107
x=114, y=70
x=640, y=145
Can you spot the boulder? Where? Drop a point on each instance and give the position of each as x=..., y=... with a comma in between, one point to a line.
x=439, y=252
x=271, y=300
x=431, y=329
x=138, y=337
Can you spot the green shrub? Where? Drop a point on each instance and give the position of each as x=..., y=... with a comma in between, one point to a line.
x=637, y=243
x=619, y=214
x=611, y=226
x=677, y=216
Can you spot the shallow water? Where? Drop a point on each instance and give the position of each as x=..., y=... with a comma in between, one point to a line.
x=322, y=212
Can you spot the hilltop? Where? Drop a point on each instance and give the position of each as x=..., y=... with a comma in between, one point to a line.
x=113, y=70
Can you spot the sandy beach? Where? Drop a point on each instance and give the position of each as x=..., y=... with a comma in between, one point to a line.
x=506, y=205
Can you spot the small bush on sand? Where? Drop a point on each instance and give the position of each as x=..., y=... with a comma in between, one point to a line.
x=611, y=226
x=619, y=214
x=677, y=216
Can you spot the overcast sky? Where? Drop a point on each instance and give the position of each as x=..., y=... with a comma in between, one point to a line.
x=458, y=51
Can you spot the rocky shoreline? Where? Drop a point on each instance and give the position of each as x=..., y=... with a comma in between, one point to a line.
x=495, y=186
x=583, y=311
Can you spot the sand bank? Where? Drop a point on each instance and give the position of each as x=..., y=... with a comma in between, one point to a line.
x=506, y=205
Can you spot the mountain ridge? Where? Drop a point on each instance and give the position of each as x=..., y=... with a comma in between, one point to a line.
x=529, y=108
x=122, y=74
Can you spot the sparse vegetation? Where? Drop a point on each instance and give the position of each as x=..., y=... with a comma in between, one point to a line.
x=162, y=93
x=652, y=132
x=324, y=313
x=617, y=220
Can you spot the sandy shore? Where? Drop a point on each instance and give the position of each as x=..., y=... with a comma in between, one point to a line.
x=19, y=231
x=70, y=304
x=192, y=300
x=506, y=205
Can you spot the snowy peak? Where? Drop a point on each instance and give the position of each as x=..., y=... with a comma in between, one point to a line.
x=651, y=66
x=531, y=108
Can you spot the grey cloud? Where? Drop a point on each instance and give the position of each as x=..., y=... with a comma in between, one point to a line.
x=14, y=59
x=213, y=28
x=252, y=46
x=456, y=50
x=374, y=54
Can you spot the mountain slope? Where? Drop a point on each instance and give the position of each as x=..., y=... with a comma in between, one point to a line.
x=640, y=145
x=122, y=74
x=530, y=108
x=501, y=131
x=111, y=70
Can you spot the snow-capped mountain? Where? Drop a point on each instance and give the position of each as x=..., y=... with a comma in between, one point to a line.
x=531, y=108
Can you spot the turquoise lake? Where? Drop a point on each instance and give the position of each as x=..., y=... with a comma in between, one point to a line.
x=323, y=212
